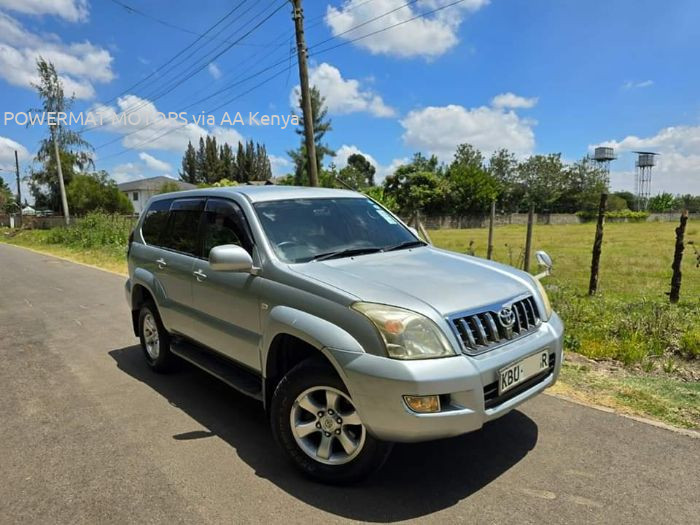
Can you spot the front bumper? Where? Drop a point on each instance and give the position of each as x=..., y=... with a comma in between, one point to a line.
x=377, y=386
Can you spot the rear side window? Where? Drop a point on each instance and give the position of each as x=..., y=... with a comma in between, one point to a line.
x=181, y=233
x=155, y=221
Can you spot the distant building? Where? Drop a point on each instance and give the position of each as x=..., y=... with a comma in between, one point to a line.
x=139, y=191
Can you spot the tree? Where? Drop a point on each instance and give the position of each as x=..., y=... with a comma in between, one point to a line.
x=75, y=152
x=359, y=172
x=169, y=187
x=582, y=184
x=418, y=186
x=322, y=125
x=188, y=173
x=630, y=199
x=211, y=162
x=542, y=179
x=96, y=191
x=471, y=186
x=6, y=196
x=663, y=202
x=503, y=167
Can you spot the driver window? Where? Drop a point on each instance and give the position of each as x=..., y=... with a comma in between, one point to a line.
x=224, y=223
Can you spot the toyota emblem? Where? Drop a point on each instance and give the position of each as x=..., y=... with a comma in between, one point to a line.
x=506, y=316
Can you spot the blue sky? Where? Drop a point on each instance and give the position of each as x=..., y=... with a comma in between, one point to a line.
x=531, y=76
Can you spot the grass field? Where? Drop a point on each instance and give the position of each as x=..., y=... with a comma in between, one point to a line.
x=629, y=321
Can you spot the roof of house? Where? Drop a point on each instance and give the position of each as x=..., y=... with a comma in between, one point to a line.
x=153, y=183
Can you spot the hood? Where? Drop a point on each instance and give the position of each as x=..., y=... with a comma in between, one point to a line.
x=445, y=281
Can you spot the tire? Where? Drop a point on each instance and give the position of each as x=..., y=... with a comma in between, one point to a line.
x=335, y=447
x=155, y=340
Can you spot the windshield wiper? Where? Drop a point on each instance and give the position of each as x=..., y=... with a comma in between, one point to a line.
x=344, y=253
x=404, y=245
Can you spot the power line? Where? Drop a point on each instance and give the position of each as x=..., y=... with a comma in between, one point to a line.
x=174, y=57
x=420, y=15
x=387, y=28
x=172, y=130
x=192, y=72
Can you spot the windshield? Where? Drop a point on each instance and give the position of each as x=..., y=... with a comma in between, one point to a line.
x=302, y=230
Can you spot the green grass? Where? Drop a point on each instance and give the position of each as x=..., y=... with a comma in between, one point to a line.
x=663, y=398
x=630, y=318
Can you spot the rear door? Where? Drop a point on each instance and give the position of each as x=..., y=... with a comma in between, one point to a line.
x=175, y=265
x=227, y=317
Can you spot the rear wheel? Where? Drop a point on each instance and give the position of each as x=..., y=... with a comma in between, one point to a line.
x=155, y=340
x=315, y=421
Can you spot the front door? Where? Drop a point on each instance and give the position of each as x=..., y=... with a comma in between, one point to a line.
x=227, y=317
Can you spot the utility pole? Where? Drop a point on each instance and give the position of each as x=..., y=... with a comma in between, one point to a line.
x=528, y=238
x=305, y=94
x=19, y=189
x=61, y=184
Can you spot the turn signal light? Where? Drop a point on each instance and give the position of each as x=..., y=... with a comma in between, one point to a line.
x=423, y=404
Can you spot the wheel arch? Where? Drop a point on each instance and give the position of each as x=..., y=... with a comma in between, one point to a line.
x=293, y=336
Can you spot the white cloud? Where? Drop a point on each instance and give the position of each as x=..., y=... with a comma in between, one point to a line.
x=280, y=165
x=214, y=71
x=154, y=163
x=678, y=169
x=144, y=129
x=342, y=95
x=513, y=101
x=344, y=152
x=439, y=130
x=635, y=85
x=71, y=10
x=79, y=65
x=429, y=36
x=7, y=153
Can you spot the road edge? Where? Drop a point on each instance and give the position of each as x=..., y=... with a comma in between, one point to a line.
x=659, y=424
x=66, y=259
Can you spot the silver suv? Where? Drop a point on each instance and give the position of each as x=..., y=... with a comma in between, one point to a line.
x=351, y=331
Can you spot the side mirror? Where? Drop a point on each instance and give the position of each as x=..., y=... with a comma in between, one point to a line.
x=544, y=261
x=230, y=258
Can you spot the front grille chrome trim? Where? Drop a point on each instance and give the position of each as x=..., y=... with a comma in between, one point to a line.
x=481, y=330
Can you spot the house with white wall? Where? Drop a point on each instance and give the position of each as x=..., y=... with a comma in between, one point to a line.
x=139, y=191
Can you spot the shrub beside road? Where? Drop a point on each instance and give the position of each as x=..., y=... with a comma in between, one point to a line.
x=636, y=352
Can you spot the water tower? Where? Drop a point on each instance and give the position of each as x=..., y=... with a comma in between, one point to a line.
x=603, y=156
x=642, y=178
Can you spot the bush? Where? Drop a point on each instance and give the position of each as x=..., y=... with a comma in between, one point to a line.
x=623, y=215
x=96, y=230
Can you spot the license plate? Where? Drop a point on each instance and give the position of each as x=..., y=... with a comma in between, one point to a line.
x=514, y=374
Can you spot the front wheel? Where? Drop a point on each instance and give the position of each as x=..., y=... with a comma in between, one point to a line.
x=316, y=423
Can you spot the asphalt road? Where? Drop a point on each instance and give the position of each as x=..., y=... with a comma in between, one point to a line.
x=89, y=435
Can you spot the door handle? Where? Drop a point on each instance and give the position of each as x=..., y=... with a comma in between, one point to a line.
x=161, y=263
x=200, y=275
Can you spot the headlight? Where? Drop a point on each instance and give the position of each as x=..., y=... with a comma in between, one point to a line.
x=545, y=299
x=406, y=334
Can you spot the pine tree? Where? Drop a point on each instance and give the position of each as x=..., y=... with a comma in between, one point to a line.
x=189, y=166
x=322, y=125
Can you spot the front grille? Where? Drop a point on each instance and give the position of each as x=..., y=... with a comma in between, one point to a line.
x=492, y=399
x=484, y=330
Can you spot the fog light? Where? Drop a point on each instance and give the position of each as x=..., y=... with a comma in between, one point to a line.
x=423, y=404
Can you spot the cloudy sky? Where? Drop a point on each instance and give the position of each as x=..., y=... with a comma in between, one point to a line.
x=531, y=76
